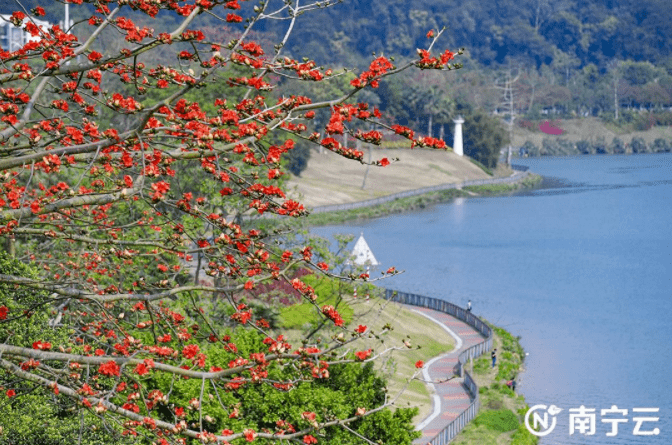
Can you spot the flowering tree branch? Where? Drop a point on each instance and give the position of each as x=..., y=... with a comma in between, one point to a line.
x=125, y=174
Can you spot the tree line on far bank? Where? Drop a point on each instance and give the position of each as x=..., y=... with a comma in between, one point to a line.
x=563, y=147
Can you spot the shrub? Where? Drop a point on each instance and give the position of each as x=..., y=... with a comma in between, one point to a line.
x=663, y=119
x=617, y=146
x=523, y=437
x=501, y=420
x=638, y=145
x=584, y=147
x=660, y=145
x=531, y=148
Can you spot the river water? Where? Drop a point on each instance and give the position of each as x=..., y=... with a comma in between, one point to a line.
x=581, y=269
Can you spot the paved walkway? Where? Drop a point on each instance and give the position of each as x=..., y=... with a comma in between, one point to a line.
x=452, y=397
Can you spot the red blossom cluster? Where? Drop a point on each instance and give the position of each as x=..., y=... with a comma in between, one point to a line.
x=372, y=137
x=427, y=141
x=427, y=61
x=377, y=68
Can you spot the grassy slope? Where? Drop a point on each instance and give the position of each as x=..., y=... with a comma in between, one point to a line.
x=332, y=179
x=396, y=366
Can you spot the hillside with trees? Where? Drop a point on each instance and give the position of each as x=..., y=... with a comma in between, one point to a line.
x=570, y=59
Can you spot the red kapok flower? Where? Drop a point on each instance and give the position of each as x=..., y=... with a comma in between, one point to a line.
x=109, y=369
x=363, y=355
x=95, y=56
x=190, y=351
x=419, y=364
x=249, y=434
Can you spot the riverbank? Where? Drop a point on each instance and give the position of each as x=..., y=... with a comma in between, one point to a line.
x=417, y=177
x=501, y=417
x=459, y=380
x=330, y=179
x=422, y=201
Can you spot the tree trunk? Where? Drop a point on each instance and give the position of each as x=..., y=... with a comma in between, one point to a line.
x=429, y=126
x=368, y=166
x=441, y=132
x=616, y=99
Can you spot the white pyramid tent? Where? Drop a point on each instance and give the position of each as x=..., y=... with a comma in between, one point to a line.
x=362, y=253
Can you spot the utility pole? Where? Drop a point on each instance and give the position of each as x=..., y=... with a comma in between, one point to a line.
x=507, y=103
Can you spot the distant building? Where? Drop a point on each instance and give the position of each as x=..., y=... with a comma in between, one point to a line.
x=13, y=38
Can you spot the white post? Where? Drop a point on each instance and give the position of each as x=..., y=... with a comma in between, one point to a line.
x=457, y=142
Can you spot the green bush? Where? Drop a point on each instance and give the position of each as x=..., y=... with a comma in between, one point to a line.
x=617, y=146
x=660, y=145
x=557, y=147
x=523, y=437
x=664, y=119
x=638, y=145
x=35, y=415
x=501, y=420
x=531, y=148
x=585, y=147
x=482, y=167
x=329, y=292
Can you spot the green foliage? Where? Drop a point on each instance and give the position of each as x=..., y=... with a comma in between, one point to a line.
x=502, y=420
x=531, y=149
x=585, y=147
x=484, y=136
x=481, y=166
x=482, y=365
x=391, y=428
x=554, y=146
x=523, y=437
x=34, y=415
x=36, y=418
x=349, y=386
x=28, y=310
x=617, y=146
x=564, y=34
x=661, y=145
x=329, y=292
x=638, y=145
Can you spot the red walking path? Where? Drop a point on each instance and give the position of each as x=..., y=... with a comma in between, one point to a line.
x=450, y=397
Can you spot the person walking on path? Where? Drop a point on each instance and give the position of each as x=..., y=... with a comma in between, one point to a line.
x=494, y=357
x=469, y=306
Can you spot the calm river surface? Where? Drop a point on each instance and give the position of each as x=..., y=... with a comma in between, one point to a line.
x=580, y=269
